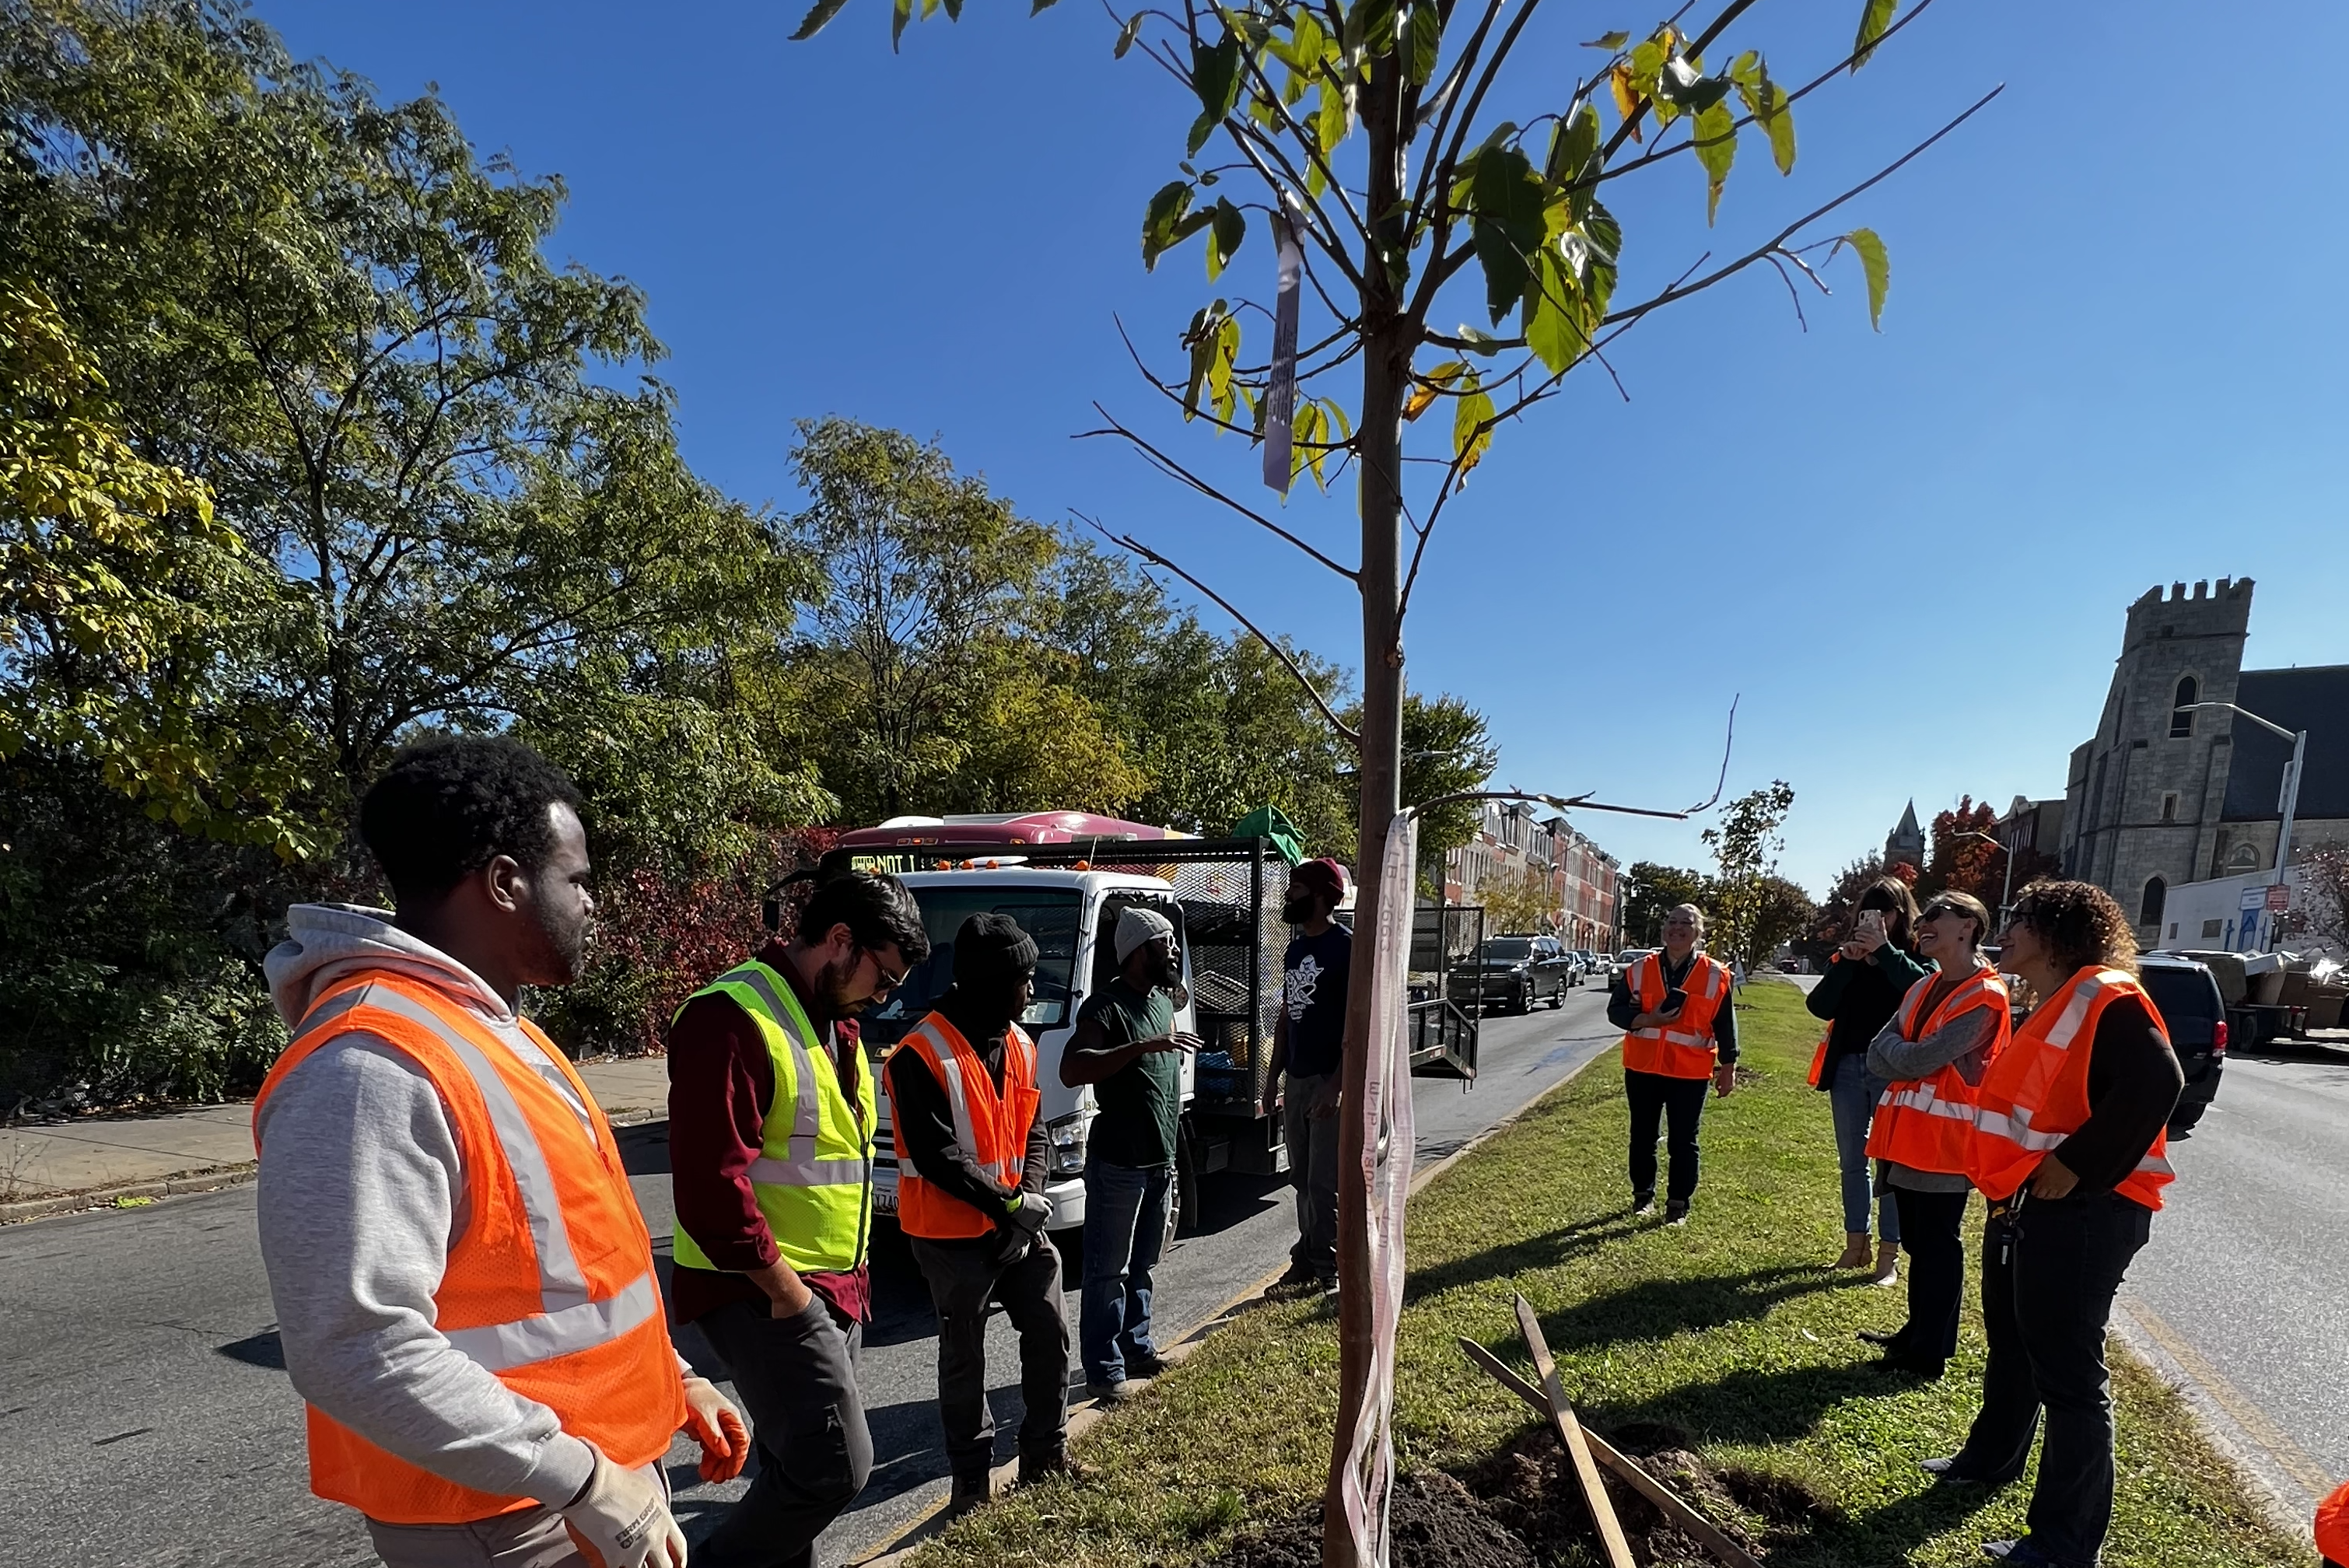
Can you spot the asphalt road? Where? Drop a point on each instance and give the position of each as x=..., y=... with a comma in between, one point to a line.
x=2240, y=1288
x=145, y=1418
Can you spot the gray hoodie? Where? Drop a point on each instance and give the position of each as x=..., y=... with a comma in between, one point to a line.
x=361, y=1197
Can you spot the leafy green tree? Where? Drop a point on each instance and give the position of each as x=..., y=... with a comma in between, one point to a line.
x=1648, y=890
x=1447, y=750
x=1372, y=137
x=343, y=323
x=1782, y=911
x=1745, y=847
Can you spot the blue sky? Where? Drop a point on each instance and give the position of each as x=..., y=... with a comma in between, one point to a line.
x=2111, y=359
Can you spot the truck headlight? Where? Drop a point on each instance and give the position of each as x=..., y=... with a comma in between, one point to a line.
x=1068, y=1135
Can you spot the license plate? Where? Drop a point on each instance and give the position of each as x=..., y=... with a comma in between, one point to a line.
x=884, y=1202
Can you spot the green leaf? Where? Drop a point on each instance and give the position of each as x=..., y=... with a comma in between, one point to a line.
x=1370, y=26
x=1470, y=434
x=1554, y=308
x=1426, y=41
x=1716, y=149
x=1479, y=342
x=1574, y=152
x=1506, y=199
x=1875, y=16
x=1332, y=120
x=1877, y=264
x=1776, y=116
x=1213, y=340
x=822, y=12
x=1227, y=228
x=1215, y=77
x=1219, y=367
x=897, y=20
x=1609, y=41
x=1161, y=224
x=1431, y=386
x=1126, y=35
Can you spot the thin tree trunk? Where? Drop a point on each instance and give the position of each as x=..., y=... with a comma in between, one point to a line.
x=1385, y=373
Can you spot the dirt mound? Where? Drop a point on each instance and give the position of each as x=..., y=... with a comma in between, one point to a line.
x=1436, y=1524
x=1522, y=1508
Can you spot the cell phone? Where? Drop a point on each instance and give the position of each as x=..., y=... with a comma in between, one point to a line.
x=1675, y=998
x=1872, y=922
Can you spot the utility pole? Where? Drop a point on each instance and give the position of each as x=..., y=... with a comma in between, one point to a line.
x=2290, y=802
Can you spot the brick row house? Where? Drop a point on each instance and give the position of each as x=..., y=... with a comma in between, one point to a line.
x=1516, y=842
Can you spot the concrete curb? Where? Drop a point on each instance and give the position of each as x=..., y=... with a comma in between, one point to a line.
x=892, y=1553
x=204, y=1179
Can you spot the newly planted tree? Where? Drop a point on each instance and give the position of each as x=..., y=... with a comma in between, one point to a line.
x=1360, y=138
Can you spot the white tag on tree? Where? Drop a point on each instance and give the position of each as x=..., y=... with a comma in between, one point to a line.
x=1280, y=393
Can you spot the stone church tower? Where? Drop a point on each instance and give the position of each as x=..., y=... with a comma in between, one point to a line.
x=1905, y=843
x=2143, y=800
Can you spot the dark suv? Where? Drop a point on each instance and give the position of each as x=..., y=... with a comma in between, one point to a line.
x=2187, y=997
x=1513, y=973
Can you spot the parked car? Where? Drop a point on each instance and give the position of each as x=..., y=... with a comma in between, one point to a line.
x=1594, y=967
x=1511, y=972
x=2186, y=994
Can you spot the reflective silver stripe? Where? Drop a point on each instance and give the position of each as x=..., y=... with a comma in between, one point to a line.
x=948, y=1068
x=2016, y=1131
x=2075, y=1011
x=805, y=1115
x=501, y=1347
x=560, y=1281
x=2157, y=1165
x=1923, y=1098
x=766, y=1172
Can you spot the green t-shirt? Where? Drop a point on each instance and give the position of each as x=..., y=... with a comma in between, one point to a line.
x=1141, y=1102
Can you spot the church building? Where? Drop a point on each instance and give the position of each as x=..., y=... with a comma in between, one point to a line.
x=2166, y=793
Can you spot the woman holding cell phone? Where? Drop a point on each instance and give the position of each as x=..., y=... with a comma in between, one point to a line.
x=1858, y=994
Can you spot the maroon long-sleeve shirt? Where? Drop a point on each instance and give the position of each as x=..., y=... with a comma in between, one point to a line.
x=720, y=1082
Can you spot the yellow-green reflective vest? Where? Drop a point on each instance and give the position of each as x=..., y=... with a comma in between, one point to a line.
x=814, y=1176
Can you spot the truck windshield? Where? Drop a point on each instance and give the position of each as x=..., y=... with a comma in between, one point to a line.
x=1049, y=916
x=1507, y=947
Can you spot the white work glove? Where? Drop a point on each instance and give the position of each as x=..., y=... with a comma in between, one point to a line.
x=712, y=1422
x=622, y=1521
x=1031, y=1212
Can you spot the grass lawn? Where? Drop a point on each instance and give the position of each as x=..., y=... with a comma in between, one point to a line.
x=1728, y=1329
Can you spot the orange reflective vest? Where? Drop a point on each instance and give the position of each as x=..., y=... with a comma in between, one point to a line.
x=1682, y=1048
x=550, y=1284
x=2036, y=1094
x=994, y=1128
x=2332, y=1525
x=1928, y=1123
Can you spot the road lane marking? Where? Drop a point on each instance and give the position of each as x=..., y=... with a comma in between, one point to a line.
x=2275, y=1444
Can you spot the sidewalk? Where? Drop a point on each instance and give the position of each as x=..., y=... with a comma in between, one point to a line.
x=54, y=1167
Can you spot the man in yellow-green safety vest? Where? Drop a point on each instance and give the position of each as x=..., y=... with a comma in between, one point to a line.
x=771, y=1142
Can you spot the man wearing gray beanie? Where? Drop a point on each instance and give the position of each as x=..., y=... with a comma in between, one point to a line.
x=1127, y=1048
x=972, y=1156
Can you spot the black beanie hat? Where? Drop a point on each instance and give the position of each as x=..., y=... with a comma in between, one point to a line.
x=991, y=951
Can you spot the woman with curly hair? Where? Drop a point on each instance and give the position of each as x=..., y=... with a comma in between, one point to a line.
x=2069, y=1148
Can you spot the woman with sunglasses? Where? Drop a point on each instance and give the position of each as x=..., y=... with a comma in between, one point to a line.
x=1862, y=988
x=1932, y=1055
x=2069, y=1148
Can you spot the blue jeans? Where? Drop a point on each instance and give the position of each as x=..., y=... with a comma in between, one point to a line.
x=1852, y=1094
x=1125, y=1224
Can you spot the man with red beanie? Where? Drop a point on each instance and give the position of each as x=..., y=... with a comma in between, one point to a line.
x=1308, y=1044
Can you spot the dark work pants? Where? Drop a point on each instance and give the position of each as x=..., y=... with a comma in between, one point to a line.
x=795, y=1377
x=2045, y=1304
x=964, y=1276
x=1313, y=1166
x=1930, y=1227
x=1678, y=1102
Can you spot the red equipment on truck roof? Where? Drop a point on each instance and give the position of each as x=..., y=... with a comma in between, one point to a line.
x=997, y=830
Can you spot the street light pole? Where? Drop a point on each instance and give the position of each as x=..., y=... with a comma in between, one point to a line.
x=2290, y=804
x=2006, y=892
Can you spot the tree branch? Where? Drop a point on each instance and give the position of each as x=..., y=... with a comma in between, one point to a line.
x=1175, y=470
x=1127, y=542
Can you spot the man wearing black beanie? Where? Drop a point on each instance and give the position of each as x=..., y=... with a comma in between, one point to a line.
x=972, y=1155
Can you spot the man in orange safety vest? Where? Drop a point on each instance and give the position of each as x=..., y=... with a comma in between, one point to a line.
x=464, y=1288
x=972, y=1157
x=1680, y=1035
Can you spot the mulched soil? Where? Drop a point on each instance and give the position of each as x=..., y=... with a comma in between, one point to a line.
x=1521, y=1507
